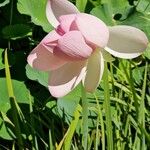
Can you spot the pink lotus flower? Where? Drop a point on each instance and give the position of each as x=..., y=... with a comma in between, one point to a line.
x=73, y=52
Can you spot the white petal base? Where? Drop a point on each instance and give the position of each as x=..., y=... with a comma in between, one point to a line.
x=95, y=69
x=122, y=55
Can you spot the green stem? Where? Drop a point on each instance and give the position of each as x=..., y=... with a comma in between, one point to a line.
x=16, y=122
x=13, y=103
x=131, y=84
x=81, y=4
x=107, y=110
x=100, y=116
x=84, y=118
x=147, y=7
x=10, y=21
x=112, y=79
x=142, y=107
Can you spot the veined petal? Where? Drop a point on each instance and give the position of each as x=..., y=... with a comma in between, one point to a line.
x=73, y=44
x=57, y=8
x=66, y=21
x=43, y=59
x=66, y=78
x=93, y=29
x=95, y=69
x=51, y=39
x=126, y=41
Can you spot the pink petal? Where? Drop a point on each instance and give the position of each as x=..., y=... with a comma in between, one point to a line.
x=95, y=69
x=57, y=8
x=73, y=44
x=126, y=41
x=51, y=37
x=93, y=29
x=51, y=40
x=43, y=59
x=66, y=21
x=58, y=52
x=65, y=79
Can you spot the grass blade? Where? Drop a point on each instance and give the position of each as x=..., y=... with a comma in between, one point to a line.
x=69, y=134
x=13, y=103
x=107, y=110
x=84, y=118
x=142, y=108
x=100, y=117
x=81, y=4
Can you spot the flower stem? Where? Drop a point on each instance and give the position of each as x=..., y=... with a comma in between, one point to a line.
x=107, y=108
x=84, y=118
x=13, y=103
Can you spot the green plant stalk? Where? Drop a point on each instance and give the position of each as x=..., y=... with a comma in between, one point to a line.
x=84, y=118
x=118, y=143
x=127, y=126
x=107, y=108
x=142, y=107
x=147, y=7
x=130, y=81
x=11, y=18
x=69, y=135
x=16, y=122
x=91, y=140
x=81, y=4
x=32, y=122
x=135, y=98
x=141, y=116
x=97, y=137
x=13, y=103
x=50, y=141
x=112, y=79
x=100, y=116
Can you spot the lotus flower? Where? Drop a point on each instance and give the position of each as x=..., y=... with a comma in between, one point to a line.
x=74, y=51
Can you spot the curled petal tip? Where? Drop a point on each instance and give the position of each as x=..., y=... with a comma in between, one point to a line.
x=93, y=29
x=74, y=45
x=66, y=78
x=57, y=8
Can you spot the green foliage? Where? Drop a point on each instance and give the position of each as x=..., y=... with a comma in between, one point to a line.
x=81, y=4
x=16, y=31
x=4, y=129
x=35, y=9
x=20, y=91
x=5, y=2
x=143, y=6
x=1, y=60
x=41, y=77
x=139, y=20
x=69, y=102
x=147, y=52
x=112, y=10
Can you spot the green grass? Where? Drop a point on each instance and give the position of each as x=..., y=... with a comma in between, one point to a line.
x=121, y=121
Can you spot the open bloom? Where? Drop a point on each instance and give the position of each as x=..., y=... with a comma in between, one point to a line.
x=73, y=52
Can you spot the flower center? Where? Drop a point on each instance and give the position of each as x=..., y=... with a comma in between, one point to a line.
x=60, y=31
